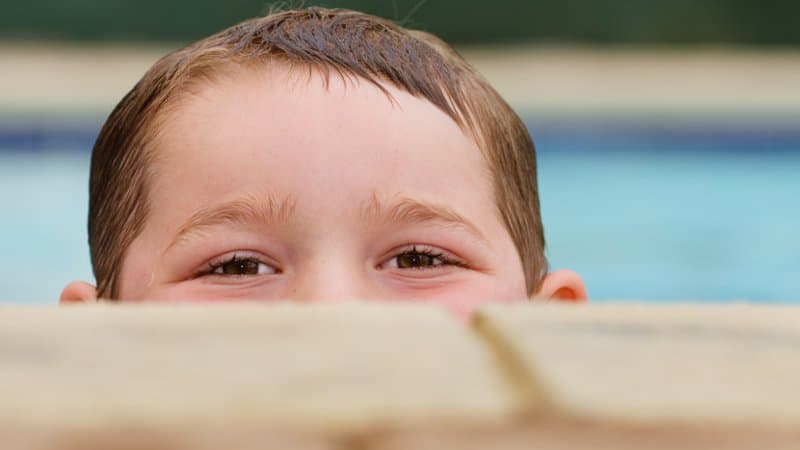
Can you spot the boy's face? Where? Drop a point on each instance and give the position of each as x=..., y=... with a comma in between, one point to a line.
x=268, y=184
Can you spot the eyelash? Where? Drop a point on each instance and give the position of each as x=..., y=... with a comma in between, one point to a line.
x=215, y=264
x=432, y=252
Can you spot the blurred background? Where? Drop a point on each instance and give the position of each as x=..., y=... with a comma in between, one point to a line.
x=668, y=131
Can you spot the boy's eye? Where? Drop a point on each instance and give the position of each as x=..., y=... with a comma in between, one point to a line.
x=420, y=259
x=240, y=266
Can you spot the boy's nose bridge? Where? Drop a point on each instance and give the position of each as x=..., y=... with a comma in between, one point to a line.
x=333, y=282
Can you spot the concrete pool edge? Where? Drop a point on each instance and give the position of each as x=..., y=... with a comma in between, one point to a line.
x=617, y=374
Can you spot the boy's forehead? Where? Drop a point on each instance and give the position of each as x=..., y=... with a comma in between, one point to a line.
x=320, y=141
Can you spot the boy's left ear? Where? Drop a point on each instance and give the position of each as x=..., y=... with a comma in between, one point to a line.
x=78, y=292
x=563, y=285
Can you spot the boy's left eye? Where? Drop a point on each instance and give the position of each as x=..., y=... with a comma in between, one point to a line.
x=420, y=259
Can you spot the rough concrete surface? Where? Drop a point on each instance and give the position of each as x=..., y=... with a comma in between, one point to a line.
x=735, y=365
x=314, y=368
x=393, y=376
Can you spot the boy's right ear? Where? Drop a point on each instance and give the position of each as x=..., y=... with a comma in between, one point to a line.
x=78, y=292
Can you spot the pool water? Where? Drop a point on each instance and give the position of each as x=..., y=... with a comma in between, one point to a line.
x=656, y=212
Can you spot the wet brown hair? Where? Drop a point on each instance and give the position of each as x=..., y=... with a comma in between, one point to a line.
x=339, y=42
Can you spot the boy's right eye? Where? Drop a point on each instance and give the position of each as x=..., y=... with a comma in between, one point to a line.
x=236, y=265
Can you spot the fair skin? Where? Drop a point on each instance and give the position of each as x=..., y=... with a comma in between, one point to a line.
x=270, y=185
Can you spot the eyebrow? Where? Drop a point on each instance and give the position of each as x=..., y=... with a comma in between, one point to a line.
x=248, y=209
x=408, y=210
x=270, y=210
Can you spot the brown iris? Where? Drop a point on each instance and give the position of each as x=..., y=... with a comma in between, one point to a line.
x=410, y=260
x=240, y=267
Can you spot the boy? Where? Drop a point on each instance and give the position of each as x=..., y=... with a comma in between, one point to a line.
x=316, y=154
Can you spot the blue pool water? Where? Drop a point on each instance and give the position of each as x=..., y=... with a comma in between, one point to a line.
x=642, y=211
